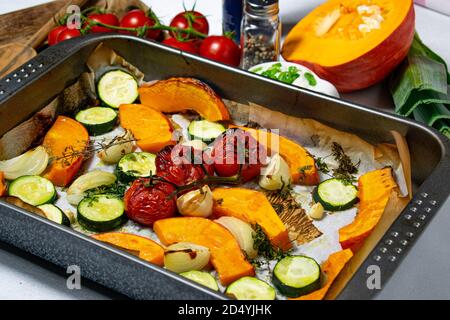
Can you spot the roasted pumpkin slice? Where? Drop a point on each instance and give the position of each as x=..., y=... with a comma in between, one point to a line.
x=331, y=268
x=144, y=248
x=150, y=128
x=374, y=190
x=2, y=184
x=301, y=163
x=252, y=207
x=181, y=94
x=65, y=142
x=353, y=44
x=226, y=255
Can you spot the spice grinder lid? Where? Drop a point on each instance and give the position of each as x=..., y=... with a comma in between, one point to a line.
x=261, y=7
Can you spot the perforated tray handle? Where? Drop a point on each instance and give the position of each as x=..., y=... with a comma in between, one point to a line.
x=404, y=232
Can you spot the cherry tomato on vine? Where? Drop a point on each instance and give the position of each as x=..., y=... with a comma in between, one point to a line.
x=221, y=49
x=138, y=18
x=106, y=18
x=198, y=22
x=68, y=34
x=52, y=37
x=237, y=148
x=188, y=45
x=147, y=201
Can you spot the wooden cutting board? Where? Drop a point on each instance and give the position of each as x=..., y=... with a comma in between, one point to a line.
x=19, y=26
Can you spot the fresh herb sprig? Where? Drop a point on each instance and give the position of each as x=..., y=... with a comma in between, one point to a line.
x=265, y=248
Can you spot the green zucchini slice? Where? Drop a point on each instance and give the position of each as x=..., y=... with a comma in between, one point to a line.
x=100, y=213
x=205, y=130
x=97, y=120
x=250, y=288
x=55, y=214
x=136, y=165
x=117, y=87
x=296, y=276
x=201, y=277
x=336, y=194
x=33, y=190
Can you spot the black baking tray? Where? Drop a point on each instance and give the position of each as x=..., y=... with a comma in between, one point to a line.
x=32, y=86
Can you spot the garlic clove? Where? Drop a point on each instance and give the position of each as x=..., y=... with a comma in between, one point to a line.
x=185, y=256
x=196, y=203
x=317, y=211
x=115, y=152
x=276, y=175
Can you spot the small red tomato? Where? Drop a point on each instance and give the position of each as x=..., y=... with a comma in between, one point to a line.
x=106, y=18
x=181, y=165
x=237, y=148
x=188, y=46
x=68, y=34
x=52, y=37
x=198, y=22
x=137, y=18
x=221, y=49
x=147, y=201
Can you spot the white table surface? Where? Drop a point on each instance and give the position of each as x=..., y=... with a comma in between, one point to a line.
x=23, y=276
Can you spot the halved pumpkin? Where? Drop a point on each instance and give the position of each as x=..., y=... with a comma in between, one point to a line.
x=253, y=207
x=331, y=268
x=301, y=163
x=353, y=43
x=144, y=248
x=65, y=142
x=374, y=190
x=226, y=255
x=181, y=94
x=150, y=128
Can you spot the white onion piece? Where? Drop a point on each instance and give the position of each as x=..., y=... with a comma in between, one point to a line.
x=117, y=150
x=185, y=256
x=276, y=174
x=196, y=203
x=243, y=233
x=32, y=162
x=90, y=180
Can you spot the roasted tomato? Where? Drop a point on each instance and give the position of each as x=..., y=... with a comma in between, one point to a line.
x=147, y=201
x=234, y=149
x=181, y=165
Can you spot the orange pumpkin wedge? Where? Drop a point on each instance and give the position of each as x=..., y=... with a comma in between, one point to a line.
x=65, y=138
x=332, y=267
x=301, y=163
x=252, y=207
x=150, y=128
x=144, y=248
x=181, y=94
x=374, y=190
x=353, y=44
x=2, y=184
x=226, y=255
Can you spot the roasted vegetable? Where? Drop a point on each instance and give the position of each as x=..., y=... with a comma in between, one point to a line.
x=276, y=175
x=97, y=120
x=252, y=207
x=144, y=248
x=89, y=180
x=301, y=163
x=226, y=256
x=65, y=142
x=205, y=130
x=117, y=87
x=150, y=128
x=122, y=145
x=55, y=214
x=196, y=203
x=3, y=186
x=181, y=94
x=331, y=268
x=147, y=201
x=32, y=162
x=250, y=288
x=201, y=277
x=335, y=194
x=295, y=276
x=374, y=188
x=368, y=39
x=243, y=233
x=33, y=190
x=100, y=213
x=185, y=256
x=136, y=165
